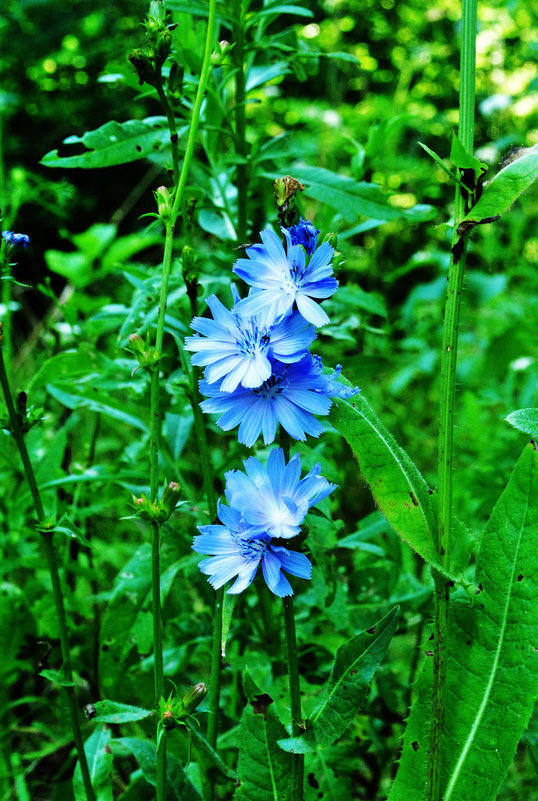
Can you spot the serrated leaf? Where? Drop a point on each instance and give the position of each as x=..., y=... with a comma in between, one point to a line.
x=352, y=198
x=355, y=664
x=398, y=488
x=505, y=188
x=114, y=143
x=263, y=768
x=492, y=668
x=525, y=420
x=180, y=787
x=99, y=759
x=56, y=677
x=113, y=712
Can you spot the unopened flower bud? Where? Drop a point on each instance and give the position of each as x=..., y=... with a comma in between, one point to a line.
x=163, y=47
x=221, y=50
x=170, y=499
x=175, y=79
x=331, y=239
x=194, y=697
x=157, y=12
x=143, y=66
x=164, y=202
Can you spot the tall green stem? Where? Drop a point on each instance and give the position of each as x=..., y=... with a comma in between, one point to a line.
x=155, y=415
x=297, y=776
x=447, y=404
x=47, y=540
x=238, y=55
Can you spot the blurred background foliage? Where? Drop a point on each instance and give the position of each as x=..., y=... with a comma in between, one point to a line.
x=365, y=82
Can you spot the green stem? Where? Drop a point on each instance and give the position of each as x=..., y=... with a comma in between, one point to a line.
x=155, y=415
x=47, y=539
x=297, y=776
x=238, y=55
x=214, y=680
x=446, y=410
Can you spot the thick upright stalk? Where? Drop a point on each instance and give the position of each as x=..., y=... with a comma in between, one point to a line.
x=155, y=415
x=446, y=409
x=46, y=538
x=297, y=776
x=238, y=55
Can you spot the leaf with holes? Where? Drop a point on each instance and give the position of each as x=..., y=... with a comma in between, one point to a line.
x=492, y=666
x=114, y=143
x=355, y=664
x=264, y=770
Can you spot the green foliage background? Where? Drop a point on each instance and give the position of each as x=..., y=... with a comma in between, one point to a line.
x=93, y=269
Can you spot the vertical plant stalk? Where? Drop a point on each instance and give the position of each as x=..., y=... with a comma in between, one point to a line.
x=47, y=540
x=155, y=416
x=447, y=403
x=238, y=56
x=297, y=775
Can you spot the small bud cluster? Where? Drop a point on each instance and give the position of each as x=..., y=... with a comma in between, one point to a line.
x=27, y=416
x=173, y=711
x=146, y=355
x=159, y=511
x=148, y=63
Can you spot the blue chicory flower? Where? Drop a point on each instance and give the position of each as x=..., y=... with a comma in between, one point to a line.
x=275, y=499
x=238, y=349
x=281, y=279
x=305, y=234
x=16, y=240
x=292, y=395
x=236, y=551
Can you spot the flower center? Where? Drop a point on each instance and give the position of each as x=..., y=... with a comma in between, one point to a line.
x=251, y=548
x=272, y=387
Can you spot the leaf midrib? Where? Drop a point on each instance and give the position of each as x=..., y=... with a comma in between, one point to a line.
x=480, y=713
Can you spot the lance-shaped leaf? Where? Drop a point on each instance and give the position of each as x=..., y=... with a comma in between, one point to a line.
x=99, y=759
x=264, y=770
x=114, y=143
x=492, y=666
x=525, y=420
x=113, y=712
x=180, y=787
x=504, y=188
x=355, y=198
x=355, y=664
x=397, y=486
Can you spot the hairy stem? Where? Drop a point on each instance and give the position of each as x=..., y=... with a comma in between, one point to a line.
x=447, y=403
x=47, y=540
x=296, y=781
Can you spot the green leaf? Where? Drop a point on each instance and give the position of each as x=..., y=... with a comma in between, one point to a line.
x=72, y=531
x=99, y=759
x=112, y=712
x=355, y=664
x=206, y=755
x=466, y=161
x=504, y=188
x=492, y=667
x=98, y=401
x=525, y=420
x=264, y=770
x=398, y=488
x=180, y=788
x=114, y=143
x=227, y=614
x=56, y=677
x=438, y=160
x=351, y=198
